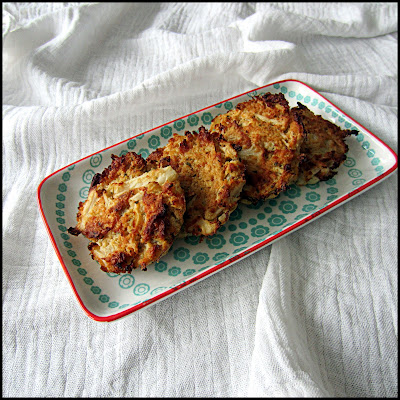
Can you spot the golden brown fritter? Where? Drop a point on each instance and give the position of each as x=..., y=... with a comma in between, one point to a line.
x=210, y=174
x=324, y=147
x=131, y=216
x=268, y=136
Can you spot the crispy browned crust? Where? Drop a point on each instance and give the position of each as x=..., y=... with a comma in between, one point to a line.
x=130, y=227
x=324, y=148
x=210, y=174
x=269, y=136
x=131, y=165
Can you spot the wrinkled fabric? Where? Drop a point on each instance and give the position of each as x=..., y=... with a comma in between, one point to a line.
x=314, y=314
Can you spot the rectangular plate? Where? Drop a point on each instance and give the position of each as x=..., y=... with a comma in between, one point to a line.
x=107, y=296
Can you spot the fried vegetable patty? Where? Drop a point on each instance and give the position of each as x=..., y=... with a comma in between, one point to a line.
x=131, y=216
x=324, y=147
x=268, y=136
x=211, y=175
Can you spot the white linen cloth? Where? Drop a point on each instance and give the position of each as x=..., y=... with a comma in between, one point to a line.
x=314, y=314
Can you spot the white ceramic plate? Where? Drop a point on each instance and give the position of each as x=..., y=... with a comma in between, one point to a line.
x=107, y=296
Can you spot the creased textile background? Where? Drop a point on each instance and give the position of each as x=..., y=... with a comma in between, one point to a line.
x=314, y=314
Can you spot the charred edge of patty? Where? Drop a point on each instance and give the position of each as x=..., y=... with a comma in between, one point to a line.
x=302, y=106
x=74, y=231
x=204, y=135
x=95, y=181
x=270, y=100
x=261, y=197
x=342, y=132
x=122, y=163
x=330, y=161
x=302, y=156
x=157, y=159
x=109, y=173
x=121, y=262
x=297, y=117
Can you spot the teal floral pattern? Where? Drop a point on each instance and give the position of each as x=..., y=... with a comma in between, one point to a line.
x=238, y=239
x=216, y=241
x=158, y=290
x=236, y=214
x=179, y=124
x=66, y=176
x=220, y=256
x=287, y=207
x=160, y=266
x=313, y=196
x=141, y=289
x=206, y=118
x=166, y=132
x=331, y=182
x=276, y=220
x=259, y=231
x=356, y=182
x=144, y=152
x=126, y=281
x=87, y=176
x=309, y=207
x=131, y=144
x=375, y=161
x=292, y=192
x=354, y=173
x=193, y=120
x=174, y=271
x=95, y=289
x=200, y=258
x=154, y=142
x=181, y=254
x=96, y=160
x=104, y=298
x=88, y=281
x=370, y=153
